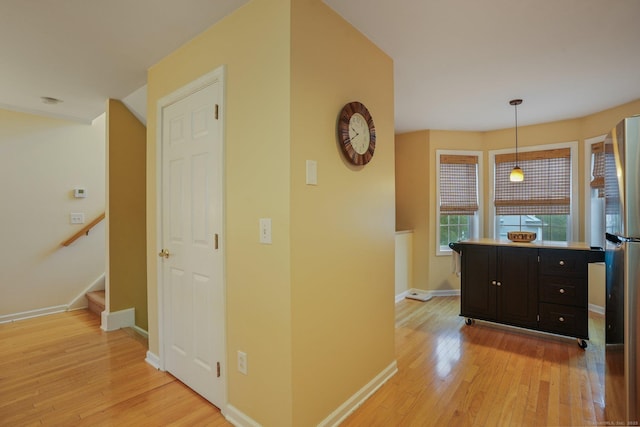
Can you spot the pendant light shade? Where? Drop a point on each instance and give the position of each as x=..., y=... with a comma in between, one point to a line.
x=516, y=173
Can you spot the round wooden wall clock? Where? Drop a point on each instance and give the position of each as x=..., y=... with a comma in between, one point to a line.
x=357, y=133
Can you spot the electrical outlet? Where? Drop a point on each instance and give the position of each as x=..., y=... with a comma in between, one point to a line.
x=242, y=362
x=76, y=217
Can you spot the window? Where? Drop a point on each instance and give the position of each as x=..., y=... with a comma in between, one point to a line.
x=454, y=228
x=543, y=202
x=458, y=197
x=595, y=189
x=597, y=167
x=611, y=191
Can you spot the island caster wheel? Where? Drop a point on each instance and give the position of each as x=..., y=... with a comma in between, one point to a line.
x=582, y=344
x=468, y=321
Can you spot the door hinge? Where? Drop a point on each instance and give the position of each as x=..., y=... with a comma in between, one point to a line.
x=218, y=369
x=538, y=317
x=215, y=241
x=538, y=258
x=215, y=114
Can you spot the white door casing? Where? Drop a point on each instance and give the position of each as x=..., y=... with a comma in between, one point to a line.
x=191, y=276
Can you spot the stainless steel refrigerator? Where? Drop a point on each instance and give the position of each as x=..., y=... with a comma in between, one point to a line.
x=622, y=258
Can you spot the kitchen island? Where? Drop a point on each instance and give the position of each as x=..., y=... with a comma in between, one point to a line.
x=540, y=286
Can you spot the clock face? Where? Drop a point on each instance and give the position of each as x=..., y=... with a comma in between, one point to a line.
x=357, y=133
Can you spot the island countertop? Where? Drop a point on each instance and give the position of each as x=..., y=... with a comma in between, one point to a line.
x=535, y=244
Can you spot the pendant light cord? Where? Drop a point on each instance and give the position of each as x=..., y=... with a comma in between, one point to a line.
x=516, y=108
x=516, y=173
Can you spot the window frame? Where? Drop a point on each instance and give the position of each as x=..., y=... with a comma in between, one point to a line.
x=573, y=220
x=477, y=217
x=589, y=208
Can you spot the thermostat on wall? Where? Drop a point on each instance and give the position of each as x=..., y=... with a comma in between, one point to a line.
x=79, y=193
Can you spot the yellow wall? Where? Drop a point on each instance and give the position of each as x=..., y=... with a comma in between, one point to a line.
x=415, y=199
x=411, y=213
x=126, y=270
x=413, y=175
x=343, y=229
x=254, y=45
x=314, y=310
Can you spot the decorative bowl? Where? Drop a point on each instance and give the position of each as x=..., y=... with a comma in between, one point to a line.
x=521, y=236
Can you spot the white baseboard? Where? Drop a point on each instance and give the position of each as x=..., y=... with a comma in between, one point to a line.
x=112, y=321
x=446, y=293
x=344, y=410
x=153, y=360
x=401, y=296
x=596, y=309
x=80, y=301
x=141, y=331
x=239, y=418
x=33, y=313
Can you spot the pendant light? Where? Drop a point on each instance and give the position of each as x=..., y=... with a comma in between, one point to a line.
x=516, y=173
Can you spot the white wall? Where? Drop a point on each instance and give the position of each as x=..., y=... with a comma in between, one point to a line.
x=41, y=161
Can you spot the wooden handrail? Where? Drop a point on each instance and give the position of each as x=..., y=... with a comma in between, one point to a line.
x=84, y=230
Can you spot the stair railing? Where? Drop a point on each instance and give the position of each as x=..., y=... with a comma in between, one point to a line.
x=85, y=230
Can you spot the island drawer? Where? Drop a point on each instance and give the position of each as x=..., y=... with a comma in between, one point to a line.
x=563, y=290
x=564, y=320
x=560, y=262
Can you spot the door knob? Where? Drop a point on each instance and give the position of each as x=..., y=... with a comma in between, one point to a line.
x=164, y=253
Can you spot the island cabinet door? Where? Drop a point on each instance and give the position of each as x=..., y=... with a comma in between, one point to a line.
x=518, y=286
x=478, y=282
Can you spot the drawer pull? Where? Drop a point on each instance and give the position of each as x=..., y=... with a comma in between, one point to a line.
x=561, y=291
x=561, y=319
x=561, y=262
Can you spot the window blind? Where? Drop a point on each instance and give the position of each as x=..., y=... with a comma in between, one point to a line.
x=546, y=189
x=458, y=184
x=597, y=172
x=611, y=186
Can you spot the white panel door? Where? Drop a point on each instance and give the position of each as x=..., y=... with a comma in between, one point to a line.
x=192, y=278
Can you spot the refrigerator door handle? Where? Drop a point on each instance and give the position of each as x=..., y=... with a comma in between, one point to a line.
x=613, y=238
x=619, y=239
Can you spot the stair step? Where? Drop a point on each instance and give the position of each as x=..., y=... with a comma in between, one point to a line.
x=96, y=301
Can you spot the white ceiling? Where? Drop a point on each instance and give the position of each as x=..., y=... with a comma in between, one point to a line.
x=86, y=51
x=457, y=62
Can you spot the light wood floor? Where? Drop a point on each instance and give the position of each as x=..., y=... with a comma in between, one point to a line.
x=450, y=374
x=63, y=370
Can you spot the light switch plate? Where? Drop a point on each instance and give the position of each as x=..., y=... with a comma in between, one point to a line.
x=265, y=231
x=312, y=172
